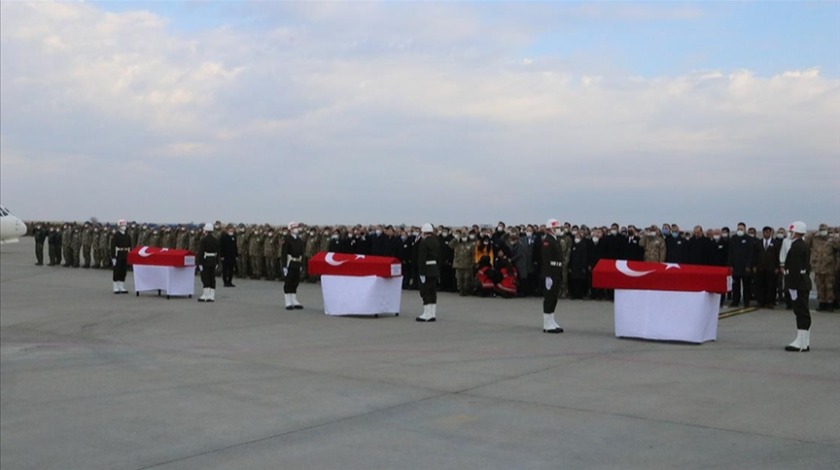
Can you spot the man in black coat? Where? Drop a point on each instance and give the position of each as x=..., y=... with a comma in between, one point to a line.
x=552, y=272
x=676, y=246
x=798, y=282
x=40, y=234
x=207, y=258
x=742, y=262
x=698, y=248
x=120, y=246
x=228, y=253
x=291, y=255
x=766, y=268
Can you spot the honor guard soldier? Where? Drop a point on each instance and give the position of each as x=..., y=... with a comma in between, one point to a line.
x=292, y=257
x=428, y=268
x=229, y=252
x=40, y=235
x=798, y=283
x=120, y=246
x=552, y=266
x=208, y=251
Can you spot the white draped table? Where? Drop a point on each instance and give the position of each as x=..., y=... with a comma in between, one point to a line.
x=172, y=280
x=666, y=315
x=361, y=295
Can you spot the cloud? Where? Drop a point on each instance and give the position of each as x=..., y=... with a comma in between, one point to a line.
x=346, y=112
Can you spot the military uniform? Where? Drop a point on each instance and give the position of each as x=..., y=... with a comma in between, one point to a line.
x=655, y=248
x=552, y=271
x=292, y=259
x=105, y=245
x=54, y=246
x=120, y=246
x=798, y=281
x=824, y=250
x=242, y=251
x=255, y=253
x=94, y=245
x=67, y=245
x=462, y=263
x=270, y=255
x=40, y=234
x=76, y=247
x=87, y=244
x=207, y=258
x=429, y=257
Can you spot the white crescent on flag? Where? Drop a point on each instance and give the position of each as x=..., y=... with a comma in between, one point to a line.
x=143, y=252
x=621, y=266
x=332, y=262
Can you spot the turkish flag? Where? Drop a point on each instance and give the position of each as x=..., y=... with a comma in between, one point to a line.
x=638, y=275
x=151, y=256
x=343, y=264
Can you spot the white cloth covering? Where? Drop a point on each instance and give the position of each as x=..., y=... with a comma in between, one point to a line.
x=361, y=295
x=172, y=280
x=666, y=315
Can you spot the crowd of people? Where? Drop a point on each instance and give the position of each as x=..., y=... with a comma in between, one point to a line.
x=501, y=261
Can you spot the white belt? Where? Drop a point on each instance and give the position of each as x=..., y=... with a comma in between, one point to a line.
x=209, y=255
x=295, y=259
x=555, y=263
x=123, y=249
x=804, y=271
x=431, y=262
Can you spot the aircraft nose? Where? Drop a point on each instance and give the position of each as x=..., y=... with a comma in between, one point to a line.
x=20, y=228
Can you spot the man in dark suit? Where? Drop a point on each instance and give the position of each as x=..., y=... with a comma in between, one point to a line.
x=742, y=262
x=766, y=268
x=228, y=253
x=798, y=282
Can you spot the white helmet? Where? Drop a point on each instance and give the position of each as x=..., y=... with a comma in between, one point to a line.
x=427, y=228
x=552, y=224
x=121, y=223
x=293, y=225
x=208, y=227
x=798, y=227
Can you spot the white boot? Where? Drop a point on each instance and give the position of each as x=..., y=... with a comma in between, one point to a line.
x=288, y=298
x=427, y=315
x=295, y=304
x=211, y=295
x=123, y=290
x=549, y=325
x=433, y=311
x=204, y=293
x=800, y=344
x=116, y=287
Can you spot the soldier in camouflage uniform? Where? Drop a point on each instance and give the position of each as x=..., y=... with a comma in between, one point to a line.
x=154, y=239
x=312, y=244
x=270, y=254
x=182, y=239
x=94, y=245
x=654, y=245
x=166, y=237
x=242, y=248
x=87, y=241
x=824, y=249
x=134, y=233
x=255, y=253
x=143, y=235
x=66, y=244
x=565, y=243
x=105, y=246
x=76, y=246
x=463, y=248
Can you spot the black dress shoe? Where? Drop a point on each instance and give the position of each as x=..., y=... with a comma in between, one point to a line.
x=297, y=307
x=289, y=307
x=795, y=349
x=231, y=285
x=555, y=331
x=423, y=320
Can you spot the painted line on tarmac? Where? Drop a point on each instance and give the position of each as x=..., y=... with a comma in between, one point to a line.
x=737, y=312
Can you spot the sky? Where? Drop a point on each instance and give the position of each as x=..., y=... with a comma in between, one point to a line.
x=397, y=112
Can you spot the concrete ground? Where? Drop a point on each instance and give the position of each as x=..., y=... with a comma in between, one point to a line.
x=91, y=380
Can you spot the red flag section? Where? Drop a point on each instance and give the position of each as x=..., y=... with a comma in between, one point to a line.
x=638, y=275
x=343, y=264
x=151, y=256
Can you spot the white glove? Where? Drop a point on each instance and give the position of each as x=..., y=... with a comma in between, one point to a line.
x=113, y=261
x=793, y=294
x=201, y=268
x=548, y=283
x=285, y=271
x=422, y=279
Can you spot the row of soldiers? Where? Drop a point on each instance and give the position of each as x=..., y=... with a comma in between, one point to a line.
x=258, y=250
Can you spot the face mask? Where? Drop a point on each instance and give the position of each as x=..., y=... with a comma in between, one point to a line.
x=472, y=237
x=666, y=232
x=230, y=232
x=415, y=233
x=378, y=233
x=724, y=235
x=295, y=231
x=311, y=234
x=444, y=233
x=485, y=243
x=335, y=237
x=463, y=239
x=499, y=228
x=403, y=237
x=823, y=233
x=716, y=237
x=574, y=232
x=651, y=233
x=780, y=235
x=529, y=234
x=740, y=233
x=577, y=240
x=595, y=239
x=675, y=234
x=613, y=232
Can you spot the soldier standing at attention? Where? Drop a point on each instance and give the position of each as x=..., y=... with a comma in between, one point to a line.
x=228, y=253
x=824, y=250
x=94, y=245
x=428, y=268
x=105, y=245
x=255, y=251
x=40, y=234
x=242, y=252
x=270, y=254
x=292, y=258
x=87, y=244
x=798, y=282
x=54, y=246
x=66, y=239
x=552, y=266
x=462, y=249
x=208, y=250
x=120, y=246
x=76, y=246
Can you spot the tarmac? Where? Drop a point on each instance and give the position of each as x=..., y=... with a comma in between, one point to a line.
x=92, y=380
